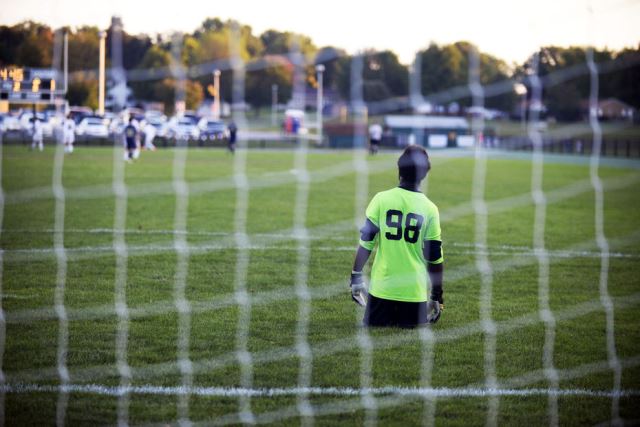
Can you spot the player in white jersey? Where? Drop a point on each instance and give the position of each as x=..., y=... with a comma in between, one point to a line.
x=69, y=134
x=37, y=135
x=149, y=134
x=375, y=136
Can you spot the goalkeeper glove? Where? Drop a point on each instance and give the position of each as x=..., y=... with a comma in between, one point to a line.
x=435, y=306
x=358, y=289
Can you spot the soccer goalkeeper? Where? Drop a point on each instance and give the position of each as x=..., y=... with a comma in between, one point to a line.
x=405, y=225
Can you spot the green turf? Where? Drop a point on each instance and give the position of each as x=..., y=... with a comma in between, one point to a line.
x=30, y=268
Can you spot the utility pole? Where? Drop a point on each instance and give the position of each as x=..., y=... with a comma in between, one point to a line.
x=66, y=62
x=274, y=103
x=319, y=102
x=101, y=73
x=216, y=89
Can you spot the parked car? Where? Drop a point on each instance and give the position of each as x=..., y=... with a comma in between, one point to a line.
x=212, y=129
x=9, y=123
x=162, y=127
x=93, y=127
x=79, y=113
x=183, y=128
x=155, y=116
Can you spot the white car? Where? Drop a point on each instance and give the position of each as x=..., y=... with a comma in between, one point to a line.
x=183, y=128
x=94, y=127
x=26, y=123
x=9, y=123
x=162, y=127
x=212, y=129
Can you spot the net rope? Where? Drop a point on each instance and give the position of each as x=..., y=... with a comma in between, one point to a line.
x=601, y=239
x=181, y=243
x=303, y=250
x=3, y=320
x=542, y=255
x=483, y=263
x=365, y=344
x=58, y=191
x=366, y=397
x=120, y=250
x=243, y=297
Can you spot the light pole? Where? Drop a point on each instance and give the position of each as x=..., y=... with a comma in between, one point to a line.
x=101, y=83
x=274, y=103
x=319, y=104
x=216, y=89
x=66, y=62
x=521, y=91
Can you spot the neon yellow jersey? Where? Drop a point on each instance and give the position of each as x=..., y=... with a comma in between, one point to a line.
x=405, y=219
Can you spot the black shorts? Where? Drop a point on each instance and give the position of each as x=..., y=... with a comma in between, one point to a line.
x=374, y=141
x=384, y=312
x=131, y=144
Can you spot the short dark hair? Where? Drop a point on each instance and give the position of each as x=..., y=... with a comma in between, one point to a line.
x=413, y=164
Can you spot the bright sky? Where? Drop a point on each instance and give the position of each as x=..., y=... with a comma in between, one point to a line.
x=508, y=29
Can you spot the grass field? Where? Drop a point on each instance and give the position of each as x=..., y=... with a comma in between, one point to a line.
x=453, y=356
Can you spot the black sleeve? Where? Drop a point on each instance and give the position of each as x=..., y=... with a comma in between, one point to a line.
x=368, y=231
x=432, y=250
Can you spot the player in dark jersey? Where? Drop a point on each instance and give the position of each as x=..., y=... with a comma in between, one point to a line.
x=231, y=142
x=130, y=137
x=405, y=225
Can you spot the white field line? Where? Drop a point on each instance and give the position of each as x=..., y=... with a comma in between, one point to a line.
x=392, y=400
x=93, y=373
x=322, y=232
x=448, y=215
x=58, y=190
x=569, y=191
x=195, y=188
x=223, y=301
x=445, y=392
x=85, y=252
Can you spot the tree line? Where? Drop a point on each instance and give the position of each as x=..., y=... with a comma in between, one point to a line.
x=444, y=69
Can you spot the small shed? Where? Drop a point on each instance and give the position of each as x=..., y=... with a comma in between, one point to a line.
x=614, y=109
x=428, y=131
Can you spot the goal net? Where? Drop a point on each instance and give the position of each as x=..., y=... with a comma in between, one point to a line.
x=206, y=286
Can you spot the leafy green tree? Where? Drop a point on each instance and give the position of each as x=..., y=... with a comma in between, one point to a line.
x=165, y=92
x=282, y=43
x=446, y=67
x=155, y=59
x=567, y=81
x=276, y=71
x=623, y=81
x=84, y=49
x=83, y=91
x=329, y=57
x=383, y=76
x=27, y=44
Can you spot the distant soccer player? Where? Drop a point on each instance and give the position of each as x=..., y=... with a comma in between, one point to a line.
x=68, y=134
x=130, y=136
x=231, y=142
x=37, y=135
x=375, y=136
x=149, y=134
x=405, y=225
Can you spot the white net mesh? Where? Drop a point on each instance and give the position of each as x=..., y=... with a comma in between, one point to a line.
x=321, y=385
